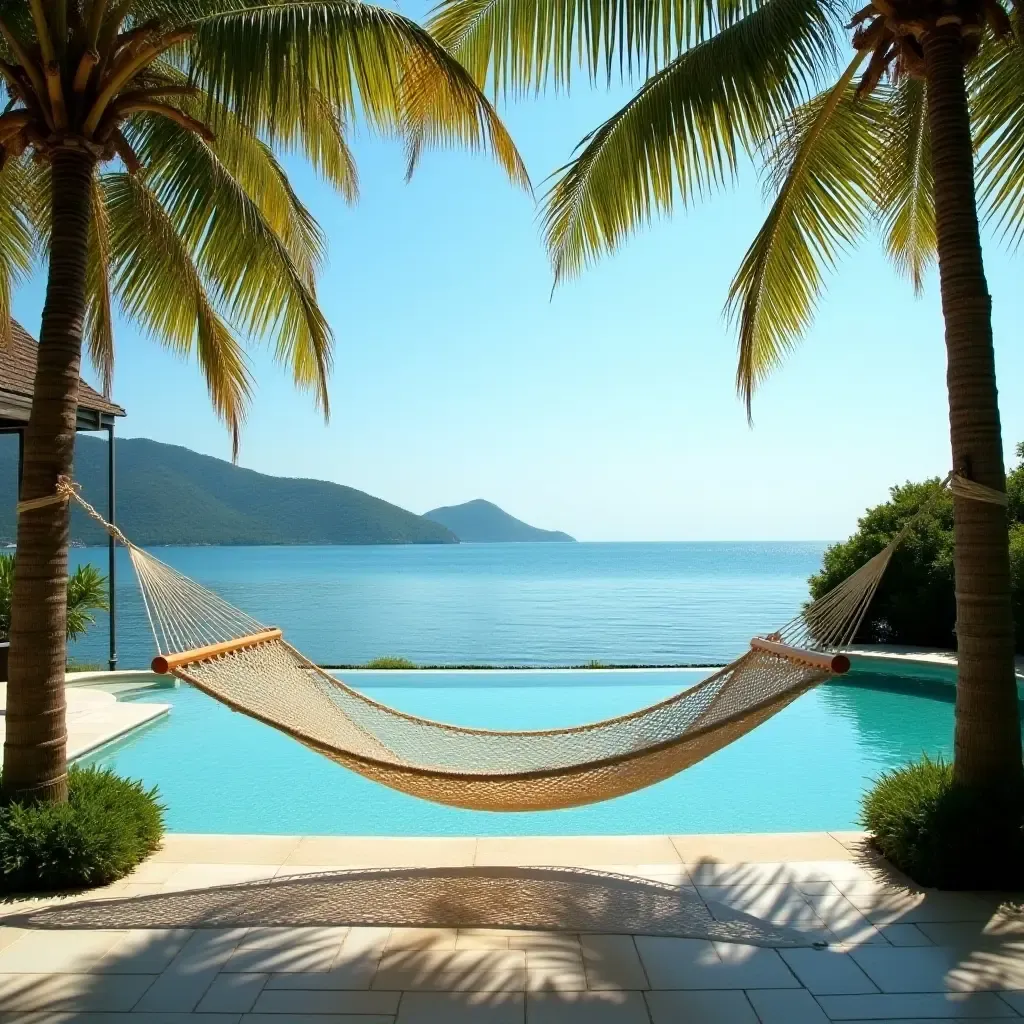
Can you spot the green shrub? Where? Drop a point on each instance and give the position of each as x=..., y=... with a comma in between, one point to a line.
x=390, y=662
x=87, y=593
x=945, y=835
x=106, y=828
x=916, y=600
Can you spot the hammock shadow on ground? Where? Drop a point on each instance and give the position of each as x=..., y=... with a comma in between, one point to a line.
x=556, y=899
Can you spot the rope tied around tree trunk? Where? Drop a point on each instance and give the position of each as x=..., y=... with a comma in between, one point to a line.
x=68, y=490
x=962, y=487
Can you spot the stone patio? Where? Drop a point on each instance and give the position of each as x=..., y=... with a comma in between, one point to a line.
x=314, y=930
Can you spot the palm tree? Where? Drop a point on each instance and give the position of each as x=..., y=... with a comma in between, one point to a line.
x=886, y=135
x=136, y=144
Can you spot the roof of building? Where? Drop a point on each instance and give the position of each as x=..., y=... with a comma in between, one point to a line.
x=18, y=372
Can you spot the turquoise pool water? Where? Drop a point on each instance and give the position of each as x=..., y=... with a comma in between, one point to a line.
x=803, y=770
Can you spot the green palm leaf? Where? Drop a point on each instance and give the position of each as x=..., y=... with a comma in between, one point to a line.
x=683, y=132
x=248, y=266
x=823, y=166
x=17, y=239
x=99, y=324
x=518, y=45
x=358, y=58
x=905, y=186
x=161, y=287
x=997, y=81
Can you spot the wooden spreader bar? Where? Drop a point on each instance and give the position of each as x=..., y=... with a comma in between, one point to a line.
x=837, y=664
x=164, y=663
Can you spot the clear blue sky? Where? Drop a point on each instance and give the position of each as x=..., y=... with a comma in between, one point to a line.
x=608, y=411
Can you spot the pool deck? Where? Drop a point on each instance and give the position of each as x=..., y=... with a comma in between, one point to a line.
x=314, y=930
x=95, y=718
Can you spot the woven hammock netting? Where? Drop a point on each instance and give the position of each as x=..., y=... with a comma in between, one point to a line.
x=272, y=682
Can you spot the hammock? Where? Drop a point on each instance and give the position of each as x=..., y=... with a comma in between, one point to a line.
x=250, y=667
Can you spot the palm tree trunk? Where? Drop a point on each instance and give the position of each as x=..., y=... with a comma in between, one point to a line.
x=35, y=750
x=987, y=740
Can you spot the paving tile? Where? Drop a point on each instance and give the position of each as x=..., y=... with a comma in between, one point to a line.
x=575, y=851
x=751, y=848
x=996, y=930
x=843, y=920
x=368, y=942
x=700, y=1008
x=153, y=872
x=381, y=852
x=224, y=849
x=711, y=872
x=337, y=1001
x=298, y=958
x=282, y=938
x=317, y=1018
x=786, y=1006
x=144, y=951
x=537, y=941
x=673, y=873
x=555, y=972
x=892, y=906
x=1015, y=999
x=941, y=968
x=192, y=971
x=101, y=1017
x=457, y=971
x=904, y=935
x=10, y=935
x=931, y=1020
x=697, y=964
x=824, y=972
x=72, y=991
x=783, y=905
x=353, y=974
x=481, y=938
x=612, y=962
x=934, y=1005
x=212, y=876
x=50, y=952
x=586, y=1008
x=232, y=993
x=422, y=938
x=460, y=1008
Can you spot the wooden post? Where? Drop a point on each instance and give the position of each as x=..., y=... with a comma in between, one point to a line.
x=112, y=546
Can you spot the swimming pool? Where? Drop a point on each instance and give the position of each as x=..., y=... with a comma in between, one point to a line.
x=803, y=770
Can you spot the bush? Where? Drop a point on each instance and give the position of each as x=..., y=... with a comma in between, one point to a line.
x=106, y=828
x=916, y=603
x=944, y=835
x=390, y=662
x=87, y=593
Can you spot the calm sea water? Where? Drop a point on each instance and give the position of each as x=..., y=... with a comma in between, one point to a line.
x=804, y=769
x=494, y=604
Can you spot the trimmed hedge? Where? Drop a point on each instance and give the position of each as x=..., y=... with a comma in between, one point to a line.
x=944, y=835
x=108, y=826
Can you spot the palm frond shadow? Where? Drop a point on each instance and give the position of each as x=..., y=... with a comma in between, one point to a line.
x=557, y=899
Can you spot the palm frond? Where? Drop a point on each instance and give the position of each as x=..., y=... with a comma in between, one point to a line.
x=997, y=84
x=822, y=165
x=161, y=288
x=683, y=132
x=521, y=45
x=17, y=240
x=248, y=266
x=99, y=319
x=905, y=187
x=358, y=58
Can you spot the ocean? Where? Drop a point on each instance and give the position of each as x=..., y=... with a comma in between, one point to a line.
x=538, y=605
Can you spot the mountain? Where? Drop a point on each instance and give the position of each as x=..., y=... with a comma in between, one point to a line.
x=171, y=495
x=480, y=521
